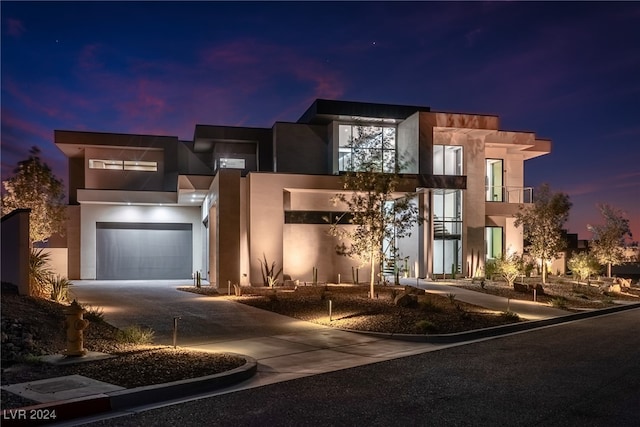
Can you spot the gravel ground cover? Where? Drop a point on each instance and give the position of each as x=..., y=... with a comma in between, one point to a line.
x=569, y=294
x=351, y=308
x=33, y=327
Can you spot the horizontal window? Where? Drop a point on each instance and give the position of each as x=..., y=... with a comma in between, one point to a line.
x=317, y=217
x=229, y=163
x=129, y=165
x=105, y=164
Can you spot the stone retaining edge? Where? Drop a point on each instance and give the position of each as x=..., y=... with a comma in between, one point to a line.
x=495, y=330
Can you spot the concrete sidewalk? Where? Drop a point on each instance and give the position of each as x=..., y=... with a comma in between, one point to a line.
x=526, y=309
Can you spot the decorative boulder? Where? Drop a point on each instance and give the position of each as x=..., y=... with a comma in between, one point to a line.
x=615, y=288
x=624, y=283
x=405, y=300
x=521, y=287
x=412, y=290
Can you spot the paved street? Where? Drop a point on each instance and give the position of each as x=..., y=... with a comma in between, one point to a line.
x=580, y=373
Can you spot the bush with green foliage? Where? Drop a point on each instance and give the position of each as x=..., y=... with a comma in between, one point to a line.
x=510, y=315
x=583, y=265
x=425, y=326
x=509, y=267
x=559, y=302
x=136, y=335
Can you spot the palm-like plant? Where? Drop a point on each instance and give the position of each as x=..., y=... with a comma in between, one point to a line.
x=40, y=273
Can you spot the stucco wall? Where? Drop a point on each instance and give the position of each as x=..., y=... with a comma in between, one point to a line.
x=15, y=250
x=124, y=179
x=301, y=148
x=92, y=213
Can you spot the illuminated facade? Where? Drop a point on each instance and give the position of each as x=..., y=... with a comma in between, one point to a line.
x=156, y=207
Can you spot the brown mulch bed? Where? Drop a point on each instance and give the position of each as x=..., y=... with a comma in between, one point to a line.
x=32, y=327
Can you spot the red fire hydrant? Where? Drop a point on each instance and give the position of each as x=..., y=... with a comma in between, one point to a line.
x=74, y=325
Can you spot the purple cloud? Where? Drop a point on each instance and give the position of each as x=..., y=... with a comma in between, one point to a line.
x=15, y=27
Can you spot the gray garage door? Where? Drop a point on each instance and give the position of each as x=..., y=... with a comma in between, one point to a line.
x=143, y=251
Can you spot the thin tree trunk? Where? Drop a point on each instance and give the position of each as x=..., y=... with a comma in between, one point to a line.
x=373, y=273
x=609, y=270
x=544, y=271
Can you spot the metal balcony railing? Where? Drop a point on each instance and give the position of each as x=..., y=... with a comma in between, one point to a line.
x=509, y=194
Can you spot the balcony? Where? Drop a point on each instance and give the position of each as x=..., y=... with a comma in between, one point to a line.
x=509, y=194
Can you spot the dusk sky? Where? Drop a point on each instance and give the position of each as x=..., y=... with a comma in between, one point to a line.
x=570, y=72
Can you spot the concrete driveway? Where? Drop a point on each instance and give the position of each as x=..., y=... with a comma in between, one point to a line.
x=203, y=320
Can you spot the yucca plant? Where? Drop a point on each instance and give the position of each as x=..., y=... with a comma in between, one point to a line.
x=40, y=273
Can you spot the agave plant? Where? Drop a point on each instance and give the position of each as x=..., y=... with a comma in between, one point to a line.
x=59, y=289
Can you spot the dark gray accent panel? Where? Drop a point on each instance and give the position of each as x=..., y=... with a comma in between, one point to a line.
x=143, y=251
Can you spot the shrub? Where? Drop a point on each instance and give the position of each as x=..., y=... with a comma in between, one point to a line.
x=509, y=267
x=583, y=265
x=59, y=289
x=136, y=335
x=93, y=314
x=559, y=302
x=452, y=298
x=490, y=269
x=510, y=315
x=425, y=326
x=429, y=306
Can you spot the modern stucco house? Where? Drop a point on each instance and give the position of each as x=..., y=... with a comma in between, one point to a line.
x=156, y=207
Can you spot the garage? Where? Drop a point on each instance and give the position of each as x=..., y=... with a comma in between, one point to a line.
x=143, y=251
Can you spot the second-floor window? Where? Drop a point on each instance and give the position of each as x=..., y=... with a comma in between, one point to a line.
x=494, y=180
x=370, y=148
x=447, y=159
x=128, y=165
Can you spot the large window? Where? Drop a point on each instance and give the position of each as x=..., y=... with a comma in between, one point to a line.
x=447, y=230
x=128, y=165
x=447, y=160
x=494, y=181
x=493, y=241
x=367, y=148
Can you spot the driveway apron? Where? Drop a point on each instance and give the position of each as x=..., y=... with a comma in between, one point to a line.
x=201, y=319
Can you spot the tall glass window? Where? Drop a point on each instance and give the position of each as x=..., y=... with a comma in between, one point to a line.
x=494, y=182
x=447, y=159
x=367, y=148
x=447, y=231
x=493, y=242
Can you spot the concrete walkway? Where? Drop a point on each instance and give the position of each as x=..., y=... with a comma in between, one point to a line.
x=526, y=309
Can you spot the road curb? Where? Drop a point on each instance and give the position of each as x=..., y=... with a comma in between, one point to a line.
x=65, y=410
x=496, y=330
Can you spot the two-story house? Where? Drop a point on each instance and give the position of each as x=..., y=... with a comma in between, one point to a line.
x=156, y=207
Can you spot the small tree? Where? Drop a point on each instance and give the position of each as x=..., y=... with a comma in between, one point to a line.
x=509, y=267
x=34, y=186
x=583, y=265
x=375, y=212
x=542, y=225
x=609, y=238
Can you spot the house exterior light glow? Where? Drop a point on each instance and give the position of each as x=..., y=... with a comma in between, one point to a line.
x=220, y=202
